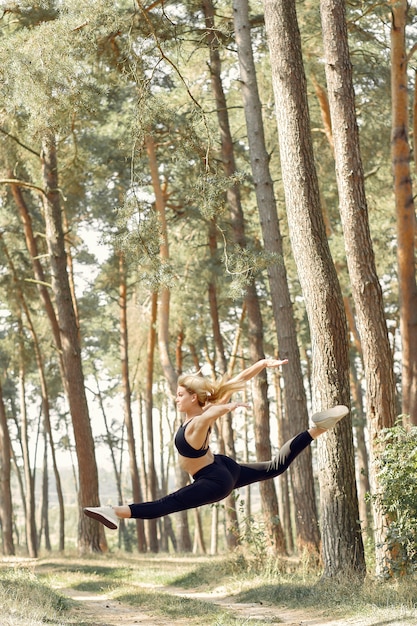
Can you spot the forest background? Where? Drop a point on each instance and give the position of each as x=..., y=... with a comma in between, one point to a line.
x=195, y=185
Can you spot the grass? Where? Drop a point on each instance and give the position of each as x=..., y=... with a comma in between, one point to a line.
x=26, y=599
x=30, y=591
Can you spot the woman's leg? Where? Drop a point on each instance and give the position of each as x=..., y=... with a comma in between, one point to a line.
x=323, y=421
x=211, y=484
x=256, y=472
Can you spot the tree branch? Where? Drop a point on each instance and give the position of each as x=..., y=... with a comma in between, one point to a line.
x=19, y=142
x=22, y=183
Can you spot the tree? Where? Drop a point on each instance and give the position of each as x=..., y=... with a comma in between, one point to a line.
x=255, y=322
x=342, y=551
x=405, y=208
x=6, y=510
x=127, y=403
x=306, y=521
x=31, y=538
x=71, y=350
x=49, y=442
x=366, y=290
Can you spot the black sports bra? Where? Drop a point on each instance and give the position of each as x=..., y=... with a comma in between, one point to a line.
x=184, y=447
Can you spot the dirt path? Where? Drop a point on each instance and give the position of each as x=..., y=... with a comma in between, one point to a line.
x=101, y=610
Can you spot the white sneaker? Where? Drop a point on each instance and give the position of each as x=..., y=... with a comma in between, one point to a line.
x=103, y=514
x=329, y=418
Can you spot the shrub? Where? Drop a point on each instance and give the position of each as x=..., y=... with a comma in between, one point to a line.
x=398, y=496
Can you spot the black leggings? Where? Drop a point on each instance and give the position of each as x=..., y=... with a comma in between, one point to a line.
x=217, y=480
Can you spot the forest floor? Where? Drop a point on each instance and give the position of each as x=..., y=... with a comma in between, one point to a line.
x=161, y=590
x=101, y=610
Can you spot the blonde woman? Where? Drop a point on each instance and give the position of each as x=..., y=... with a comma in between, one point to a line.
x=215, y=476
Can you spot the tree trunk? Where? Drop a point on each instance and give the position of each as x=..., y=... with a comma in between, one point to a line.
x=261, y=409
x=45, y=398
x=124, y=343
x=342, y=546
x=30, y=525
x=308, y=536
x=170, y=374
x=152, y=483
x=89, y=534
x=362, y=461
x=405, y=210
x=124, y=536
x=284, y=501
x=366, y=290
x=163, y=329
x=226, y=433
x=44, y=529
x=6, y=509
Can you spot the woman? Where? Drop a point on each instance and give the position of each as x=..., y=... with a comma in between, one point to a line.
x=214, y=475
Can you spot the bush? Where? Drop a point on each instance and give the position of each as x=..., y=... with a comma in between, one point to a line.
x=398, y=496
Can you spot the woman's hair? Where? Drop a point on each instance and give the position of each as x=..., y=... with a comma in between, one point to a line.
x=207, y=390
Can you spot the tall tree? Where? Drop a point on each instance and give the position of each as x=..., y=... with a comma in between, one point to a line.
x=164, y=317
x=308, y=536
x=31, y=538
x=366, y=289
x=342, y=549
x=49, y=442
x=255, y=322
x=405, y=207
x=6, y=509
x=127, y=400
x=152, y=482
x=89, y=536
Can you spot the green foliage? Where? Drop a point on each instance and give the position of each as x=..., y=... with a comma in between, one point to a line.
x=398, y=496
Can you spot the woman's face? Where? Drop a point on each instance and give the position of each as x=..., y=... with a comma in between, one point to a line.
x=185, y=400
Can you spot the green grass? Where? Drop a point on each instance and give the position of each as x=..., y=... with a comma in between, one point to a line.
x=30, y=592
x=23, y=597
x=174, y=607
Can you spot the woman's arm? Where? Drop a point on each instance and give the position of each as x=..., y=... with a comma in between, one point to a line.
x=214, y=411
x=251, y=372
x=257, y=367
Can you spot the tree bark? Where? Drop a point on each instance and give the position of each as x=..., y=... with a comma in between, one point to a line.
x=30, y=525
x=225, y=428
x=342, y=550
x=366, y=290
x=255, y=323
x=6, y=508
x=405, y=209
x=45, y=397
x=44, y=509
x=306, y=519
x=170, y=374
x=89, y=535
x=127, y=404
x=152, y=483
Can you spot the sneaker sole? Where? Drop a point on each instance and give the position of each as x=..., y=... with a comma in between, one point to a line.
x=330, y=415
x=101, y=518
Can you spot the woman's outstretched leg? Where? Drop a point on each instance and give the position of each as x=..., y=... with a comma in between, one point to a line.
x=211, y=484
x=264, y=470
x=257, y=472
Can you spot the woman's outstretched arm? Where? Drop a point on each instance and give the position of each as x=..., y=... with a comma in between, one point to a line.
x=248, y=373
x=256, y=368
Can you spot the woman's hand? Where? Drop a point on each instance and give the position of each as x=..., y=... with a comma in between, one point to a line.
x=275, y=362
x=235, y=405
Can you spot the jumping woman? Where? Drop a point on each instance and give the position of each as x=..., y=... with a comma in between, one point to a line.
x=214, y=476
